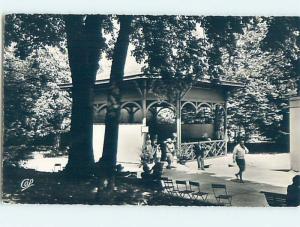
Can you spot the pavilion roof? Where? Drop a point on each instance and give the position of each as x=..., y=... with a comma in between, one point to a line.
x=140, y=77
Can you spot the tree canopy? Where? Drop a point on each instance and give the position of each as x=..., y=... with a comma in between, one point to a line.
x=34, y=104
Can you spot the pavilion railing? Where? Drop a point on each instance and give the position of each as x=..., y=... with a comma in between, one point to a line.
x=213, y=148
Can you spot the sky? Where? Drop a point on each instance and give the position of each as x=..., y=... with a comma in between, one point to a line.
x=131, y=66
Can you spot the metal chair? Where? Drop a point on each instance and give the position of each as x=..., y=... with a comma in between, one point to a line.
x=182, y=188
x=168, y=186
x=221, y=194
x=195, y=187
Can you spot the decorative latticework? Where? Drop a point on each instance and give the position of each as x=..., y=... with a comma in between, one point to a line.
x=214, y=148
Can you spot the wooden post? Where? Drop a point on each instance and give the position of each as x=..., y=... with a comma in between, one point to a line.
x=178, y=123
x=225, y=121
x=144, y=106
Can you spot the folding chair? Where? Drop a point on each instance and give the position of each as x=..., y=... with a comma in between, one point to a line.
x=195, y=187
x=57, y=167
x=168, y=186
x=220, y=193
x=183, y=189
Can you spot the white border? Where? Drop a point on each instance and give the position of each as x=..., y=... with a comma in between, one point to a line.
x=190, y=7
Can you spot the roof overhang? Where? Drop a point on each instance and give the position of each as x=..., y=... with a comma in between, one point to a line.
x=230, y=85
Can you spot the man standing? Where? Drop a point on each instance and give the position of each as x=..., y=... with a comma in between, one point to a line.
x=239, y=152
x=170, y=149
x=199, y=153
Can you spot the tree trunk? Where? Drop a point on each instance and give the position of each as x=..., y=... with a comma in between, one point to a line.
x=56, y=142
x=84, y=45
x=114, y=97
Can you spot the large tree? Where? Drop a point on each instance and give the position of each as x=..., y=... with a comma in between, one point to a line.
x=114, y=95
x=84, y=44
x=83, y=36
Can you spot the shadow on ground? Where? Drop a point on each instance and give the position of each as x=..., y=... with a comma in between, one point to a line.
x=53, y=188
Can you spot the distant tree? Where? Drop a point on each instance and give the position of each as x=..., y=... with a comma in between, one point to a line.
x=221, y=34
x=260, y=107
x=34, y=105
x=283, y=36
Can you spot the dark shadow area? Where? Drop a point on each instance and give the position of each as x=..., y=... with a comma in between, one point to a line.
x=54, y=188
x=275, y=199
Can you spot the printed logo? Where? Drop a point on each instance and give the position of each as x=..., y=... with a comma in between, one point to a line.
x=26, y=183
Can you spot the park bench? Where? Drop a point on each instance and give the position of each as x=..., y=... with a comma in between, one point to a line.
x=221, y=194
x=275, y=199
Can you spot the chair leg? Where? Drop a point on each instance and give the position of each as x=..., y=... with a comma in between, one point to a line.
x=230, y=200
x=204, y=197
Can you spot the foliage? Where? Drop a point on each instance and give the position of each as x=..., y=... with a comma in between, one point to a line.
x=34, y=105
x=221, y=33
x=260, y=107
x=183, y=155
x=171, y=48
x=284, y=36
x=29, y=32
x=13, y=154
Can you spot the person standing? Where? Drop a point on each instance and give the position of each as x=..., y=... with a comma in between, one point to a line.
x=199, y=153
x=156, y=149
x=239, y=152
x=170, y=148
x=148, y=149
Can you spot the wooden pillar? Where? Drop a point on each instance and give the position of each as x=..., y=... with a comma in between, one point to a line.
x=225, y=126
x=144, y=106
x=225, y=121
x=178, y=123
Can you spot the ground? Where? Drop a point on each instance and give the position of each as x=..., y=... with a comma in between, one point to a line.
x=54, y=188
x=264, y=172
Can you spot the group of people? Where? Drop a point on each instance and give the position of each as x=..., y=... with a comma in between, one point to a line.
x=152, y=151
x=239, y=152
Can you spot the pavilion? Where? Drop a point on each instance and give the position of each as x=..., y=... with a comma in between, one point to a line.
x=201, y=112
